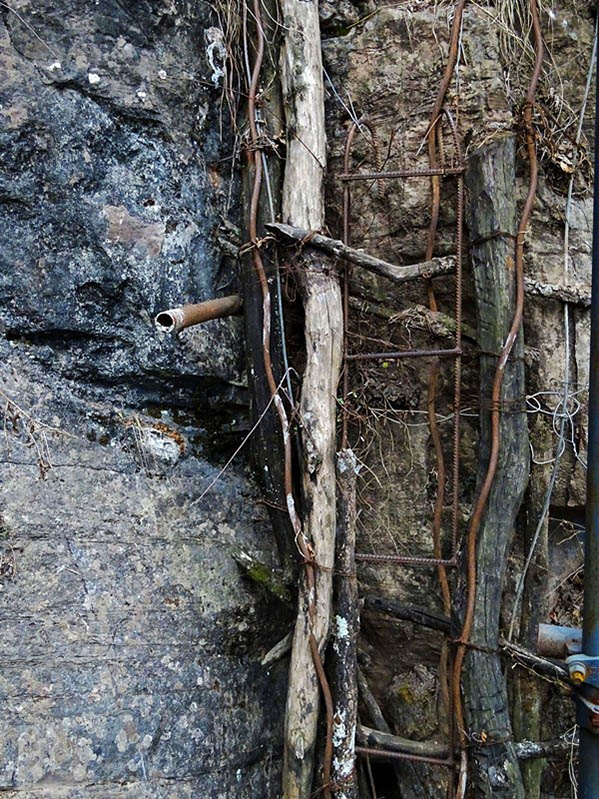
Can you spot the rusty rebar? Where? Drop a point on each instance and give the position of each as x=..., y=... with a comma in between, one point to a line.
x=399, y=354
x=435, y=171
x=403, y=173
x=388, y=754
x=405, y=560
x=497, y=384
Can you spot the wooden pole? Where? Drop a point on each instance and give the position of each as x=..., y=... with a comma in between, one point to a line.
x=303, y=206
x=343, y=653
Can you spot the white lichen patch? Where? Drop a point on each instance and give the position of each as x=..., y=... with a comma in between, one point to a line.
x=216, y=54
x=93, y=78
x=339, y=728
x=121, y=740
x=160, y=446
x=341, y=627
x=343, y=766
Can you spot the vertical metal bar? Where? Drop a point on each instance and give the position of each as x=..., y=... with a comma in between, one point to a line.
x=588, y=783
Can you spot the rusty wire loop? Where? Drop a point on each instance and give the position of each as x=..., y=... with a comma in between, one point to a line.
x=437, y=168
x=254, y=157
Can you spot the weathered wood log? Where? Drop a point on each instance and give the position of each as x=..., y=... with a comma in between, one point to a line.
x=490, y=179
x=532, y=750
x=303, y=206
x=370, y=703
x=278, y=651
x=420, y=616
x=377, y=718
x=343, y=650
x=394, y=743
x=267, y=446
x=436, y=323
x=337, y=249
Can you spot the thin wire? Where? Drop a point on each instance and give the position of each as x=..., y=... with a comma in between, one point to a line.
x=560, y=447
x=241, y=446
x=350, y=111
x=30, y=28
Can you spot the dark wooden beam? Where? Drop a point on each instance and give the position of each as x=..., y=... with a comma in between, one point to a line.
x=490, y=179
x=542, y=666
x=267, y=450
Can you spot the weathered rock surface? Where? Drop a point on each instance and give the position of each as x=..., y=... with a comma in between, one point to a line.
x=131, y=645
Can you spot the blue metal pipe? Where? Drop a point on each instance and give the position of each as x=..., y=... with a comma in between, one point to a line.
x=588, y=781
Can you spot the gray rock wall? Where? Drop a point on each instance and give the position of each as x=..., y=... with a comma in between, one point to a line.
x=129, y=661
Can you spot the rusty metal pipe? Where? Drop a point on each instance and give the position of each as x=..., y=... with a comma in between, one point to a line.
x=176, y=319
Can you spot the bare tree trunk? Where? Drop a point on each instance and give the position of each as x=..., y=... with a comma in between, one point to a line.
x=490, y=179
x=303, y=206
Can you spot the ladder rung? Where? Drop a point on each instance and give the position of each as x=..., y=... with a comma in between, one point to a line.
x=405, y=560
x=393, y=356
x=386, y=754
x=402, y=173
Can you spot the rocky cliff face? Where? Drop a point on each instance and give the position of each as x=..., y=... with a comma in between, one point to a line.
x=131, y=645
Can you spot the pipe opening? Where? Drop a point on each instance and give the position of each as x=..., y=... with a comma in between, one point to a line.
x=165, y=321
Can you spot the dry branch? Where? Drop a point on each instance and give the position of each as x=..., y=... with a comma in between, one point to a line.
x=393, y=743
x=337, y=249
